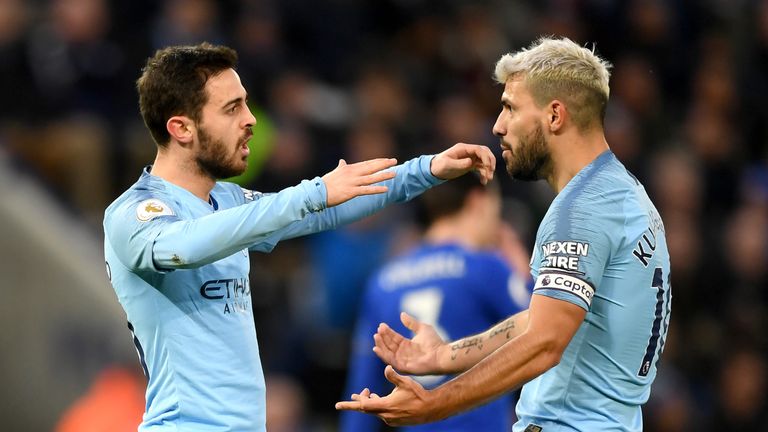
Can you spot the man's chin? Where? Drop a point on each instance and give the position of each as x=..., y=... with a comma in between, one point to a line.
x=520, y=175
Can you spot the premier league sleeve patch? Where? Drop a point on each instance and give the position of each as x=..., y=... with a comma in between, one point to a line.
x=151, y=208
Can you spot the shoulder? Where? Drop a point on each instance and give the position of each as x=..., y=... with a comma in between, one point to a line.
x=143, y=201
x=239, y=194
x=596, y=199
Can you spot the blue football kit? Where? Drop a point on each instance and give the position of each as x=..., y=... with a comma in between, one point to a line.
x=601, y=246
x=456, y=290
x=180, y=268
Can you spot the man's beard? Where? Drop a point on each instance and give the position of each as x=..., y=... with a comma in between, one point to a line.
x=531, y=160
x=214, y=160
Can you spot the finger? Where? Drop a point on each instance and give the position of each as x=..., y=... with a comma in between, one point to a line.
x=484, y=172
x=349, y=405
x=389, y=338
x=370, y=190
x=378, y=177
x=342, y=162
x=385, y=348
x=463, y=163
x=382, y=351
x=374, y=165
x=362, y=395
x=409, y=322
x=394, y=377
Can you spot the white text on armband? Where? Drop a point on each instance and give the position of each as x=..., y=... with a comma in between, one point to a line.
x=567, y=283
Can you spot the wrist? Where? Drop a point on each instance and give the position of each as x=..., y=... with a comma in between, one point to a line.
x=432, y=167
x=444, y=361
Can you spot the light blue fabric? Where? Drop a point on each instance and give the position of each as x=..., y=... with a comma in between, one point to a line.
x=601, y=246
x=180, y=268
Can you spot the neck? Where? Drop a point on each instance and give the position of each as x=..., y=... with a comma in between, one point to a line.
x=452, y=229
x=183, y=173
x=571, y=152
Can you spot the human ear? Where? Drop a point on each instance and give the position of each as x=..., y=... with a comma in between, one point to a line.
x=181, y=129
x=556, y=114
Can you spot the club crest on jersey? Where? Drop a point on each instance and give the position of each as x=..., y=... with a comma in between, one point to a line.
x=152, y=208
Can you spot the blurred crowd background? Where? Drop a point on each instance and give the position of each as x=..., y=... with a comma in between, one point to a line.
x=361, y=79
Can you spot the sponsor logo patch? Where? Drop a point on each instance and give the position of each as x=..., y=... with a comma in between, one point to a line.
x=568, y=283
x=152, y=208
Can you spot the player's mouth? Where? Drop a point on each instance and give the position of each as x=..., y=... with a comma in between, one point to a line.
x=243, y=145
x=505, y=147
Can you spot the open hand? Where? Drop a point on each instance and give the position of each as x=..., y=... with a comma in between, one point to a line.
x=417, y=356
x=462, y=158
x=348, y=181
x=408, y=404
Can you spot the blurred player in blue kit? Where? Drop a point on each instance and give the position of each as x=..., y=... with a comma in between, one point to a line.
x=586, y=350
x=458, y=280
x=177, y=241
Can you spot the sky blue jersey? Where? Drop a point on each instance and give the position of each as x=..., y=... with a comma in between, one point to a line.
x=180, y=268
x=601, y=246
x=458, y=291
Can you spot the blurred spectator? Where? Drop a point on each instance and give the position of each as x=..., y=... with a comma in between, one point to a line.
x=741, y=393
x=286, y=405
x=114, y=403
x=187, y=22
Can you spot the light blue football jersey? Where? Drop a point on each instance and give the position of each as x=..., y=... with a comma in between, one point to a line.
x=180, y=268
x=601, y=246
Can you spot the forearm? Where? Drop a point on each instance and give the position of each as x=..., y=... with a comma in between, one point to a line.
x=506, y=369
x=197, y=242
x=413, y=178
x=465, y=353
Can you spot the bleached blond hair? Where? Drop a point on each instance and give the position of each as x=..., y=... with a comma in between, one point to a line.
x=560, y=69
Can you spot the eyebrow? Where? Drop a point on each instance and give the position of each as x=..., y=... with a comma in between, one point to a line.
x=235, y=101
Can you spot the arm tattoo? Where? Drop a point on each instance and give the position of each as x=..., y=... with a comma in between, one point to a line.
x=504, y=327
x=466, y=345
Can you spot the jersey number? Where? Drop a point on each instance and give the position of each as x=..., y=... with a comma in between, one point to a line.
x=661, y=319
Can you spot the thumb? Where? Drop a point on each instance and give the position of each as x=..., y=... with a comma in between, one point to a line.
x=409, y=322
x=342, y=162
x=394, y=377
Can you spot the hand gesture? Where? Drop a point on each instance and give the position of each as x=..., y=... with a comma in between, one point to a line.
x=348, y=181
x=417, y=356
x=462, y=158
x=408, y=403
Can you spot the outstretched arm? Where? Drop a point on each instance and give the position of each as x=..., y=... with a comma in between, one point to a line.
x=411, y=179
x=427, y=354
x=552, y=324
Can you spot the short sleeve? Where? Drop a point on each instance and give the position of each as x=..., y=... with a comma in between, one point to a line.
x=573, y=251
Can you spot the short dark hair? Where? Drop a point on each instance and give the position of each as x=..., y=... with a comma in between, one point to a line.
x=449, y=198
x=173, y=83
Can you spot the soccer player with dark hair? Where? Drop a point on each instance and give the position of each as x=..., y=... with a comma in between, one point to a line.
x=177, y=241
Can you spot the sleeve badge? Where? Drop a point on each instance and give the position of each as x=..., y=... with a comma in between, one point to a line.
x=152, y=208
